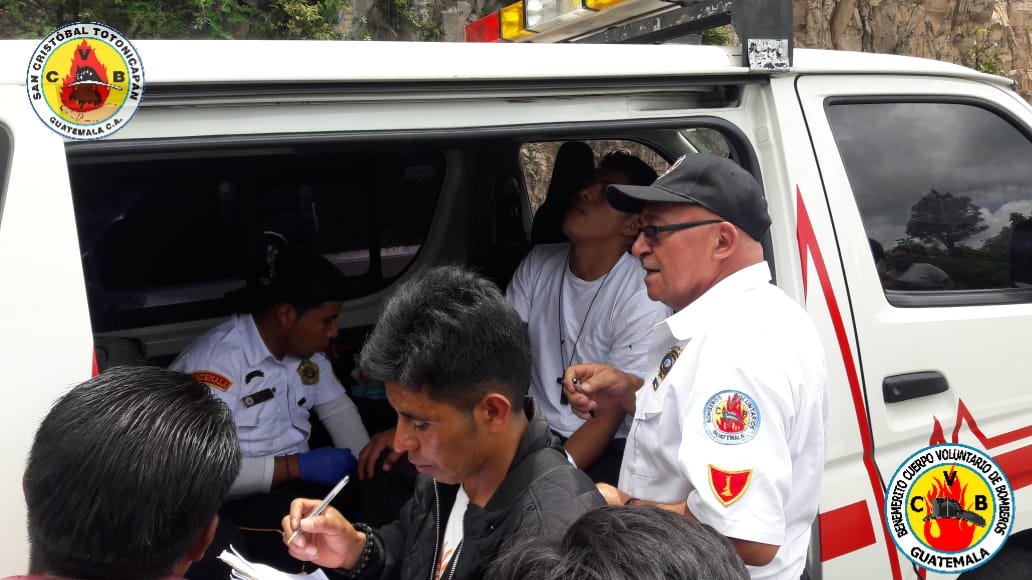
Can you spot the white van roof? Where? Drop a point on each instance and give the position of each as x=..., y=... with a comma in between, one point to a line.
x=290, y=61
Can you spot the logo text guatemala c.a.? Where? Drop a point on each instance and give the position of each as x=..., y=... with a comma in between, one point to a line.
x=949, y=508
x=85, y=80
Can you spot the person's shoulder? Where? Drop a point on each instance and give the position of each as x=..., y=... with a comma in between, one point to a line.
x=222, y=337
x=544, y=253
x=563, y=483
x=562, y=496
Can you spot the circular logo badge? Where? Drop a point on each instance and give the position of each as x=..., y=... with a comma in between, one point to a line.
x=950, y=508
x=731, y=417
x=85, y=80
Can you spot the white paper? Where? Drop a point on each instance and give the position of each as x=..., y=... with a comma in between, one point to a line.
x=244, y=570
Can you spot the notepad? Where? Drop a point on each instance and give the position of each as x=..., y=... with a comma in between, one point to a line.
x=245, y=570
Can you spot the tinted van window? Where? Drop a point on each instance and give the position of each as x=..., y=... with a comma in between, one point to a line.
x=165, y=234
x=944, y=191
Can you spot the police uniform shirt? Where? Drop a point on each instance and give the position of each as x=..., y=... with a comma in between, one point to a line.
x=269, y=399
x=734, y=417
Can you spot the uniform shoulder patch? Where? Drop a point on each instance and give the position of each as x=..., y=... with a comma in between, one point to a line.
x=729, y=486
x=731, y=417
x=213, y=380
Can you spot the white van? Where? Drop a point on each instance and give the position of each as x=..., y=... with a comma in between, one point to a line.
x=391, y=157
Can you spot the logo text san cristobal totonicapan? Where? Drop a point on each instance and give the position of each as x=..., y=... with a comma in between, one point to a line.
x=85, y=80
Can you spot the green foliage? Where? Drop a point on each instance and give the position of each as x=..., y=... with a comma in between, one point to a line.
x=984, y=54
x=138, y=19
x=717, y=36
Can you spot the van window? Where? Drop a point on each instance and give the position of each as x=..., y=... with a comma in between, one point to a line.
x=166, y=233
x=538, y=162
x=944, y=192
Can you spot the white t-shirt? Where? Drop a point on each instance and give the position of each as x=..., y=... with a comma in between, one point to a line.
x=608, y=319
x=736, y=421
x=920, y=276
x=453, y=533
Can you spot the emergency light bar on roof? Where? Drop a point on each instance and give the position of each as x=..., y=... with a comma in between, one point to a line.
x=764, y=26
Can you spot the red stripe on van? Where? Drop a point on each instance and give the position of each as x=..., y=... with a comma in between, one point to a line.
x=845, y=530
x=96, y=367
x=807, y=241
x=1016, y=464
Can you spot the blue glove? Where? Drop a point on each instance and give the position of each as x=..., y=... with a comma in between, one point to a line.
x=326, y=465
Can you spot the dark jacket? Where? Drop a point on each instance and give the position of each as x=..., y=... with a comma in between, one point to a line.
x=542, y=495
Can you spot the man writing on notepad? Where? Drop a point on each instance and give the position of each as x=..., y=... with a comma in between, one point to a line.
x=456, y=361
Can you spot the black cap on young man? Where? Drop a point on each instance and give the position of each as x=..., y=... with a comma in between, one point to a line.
x=297, y=276
x=715, y=183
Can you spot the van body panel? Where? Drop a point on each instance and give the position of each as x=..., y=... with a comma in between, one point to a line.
x=987, y=404
x=46, y=337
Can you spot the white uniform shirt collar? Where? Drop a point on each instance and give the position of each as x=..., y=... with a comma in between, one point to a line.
x=255, y=350
x=681, y=323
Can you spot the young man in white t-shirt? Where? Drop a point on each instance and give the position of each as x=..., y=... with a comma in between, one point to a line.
x=586, y=301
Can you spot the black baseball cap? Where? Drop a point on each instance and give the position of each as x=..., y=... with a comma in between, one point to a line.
x=716, y=183
x=301, y=277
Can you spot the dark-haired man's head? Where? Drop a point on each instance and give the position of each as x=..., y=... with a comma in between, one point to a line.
x=125, y=475
x=590, y=217
x=624, y=543
x=296, y=304
x=456, y=360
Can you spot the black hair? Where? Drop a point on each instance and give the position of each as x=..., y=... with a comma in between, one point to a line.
x=623, y=543
x=877, y=250
x=637, y=171
x=451, y=332
x=125, y=473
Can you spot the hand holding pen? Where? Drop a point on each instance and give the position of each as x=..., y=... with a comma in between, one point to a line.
x=316, y=532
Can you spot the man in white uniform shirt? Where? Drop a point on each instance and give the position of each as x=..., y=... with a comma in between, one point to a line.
x=731, y=421
x=586, y=301
x=269, y=369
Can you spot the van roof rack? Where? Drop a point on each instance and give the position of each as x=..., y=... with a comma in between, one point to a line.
x=764, y=27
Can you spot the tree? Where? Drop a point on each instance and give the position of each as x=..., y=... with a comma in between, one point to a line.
x=140, y=19
x=945, y=218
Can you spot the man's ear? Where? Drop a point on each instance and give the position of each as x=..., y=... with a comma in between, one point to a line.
x=196, y=550
x=630, y=225
x=726, y=241
x=493, y=411
x=286, y=315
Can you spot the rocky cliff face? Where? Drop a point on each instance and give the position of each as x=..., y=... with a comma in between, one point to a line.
x=993, y=36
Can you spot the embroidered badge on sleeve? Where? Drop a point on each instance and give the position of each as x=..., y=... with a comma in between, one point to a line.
x=729, y=486
x=213, y=380
x=665, y=365
x=731, y=417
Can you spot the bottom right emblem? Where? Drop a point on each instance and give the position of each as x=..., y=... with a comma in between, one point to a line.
x=949, y=508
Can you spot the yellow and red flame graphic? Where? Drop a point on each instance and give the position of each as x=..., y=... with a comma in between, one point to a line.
x=948, y=534
x=729, y=486
x=959, y=484
x=85, y=87
x=732, y=416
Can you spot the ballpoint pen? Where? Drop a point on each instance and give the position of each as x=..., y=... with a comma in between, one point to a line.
x=322, y=506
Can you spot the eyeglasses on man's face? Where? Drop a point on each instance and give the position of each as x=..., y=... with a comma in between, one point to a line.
x=651, y=233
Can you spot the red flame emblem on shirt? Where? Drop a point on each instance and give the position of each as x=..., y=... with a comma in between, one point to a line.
x=85, y=87
x=733, y=416
x=953, y=534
